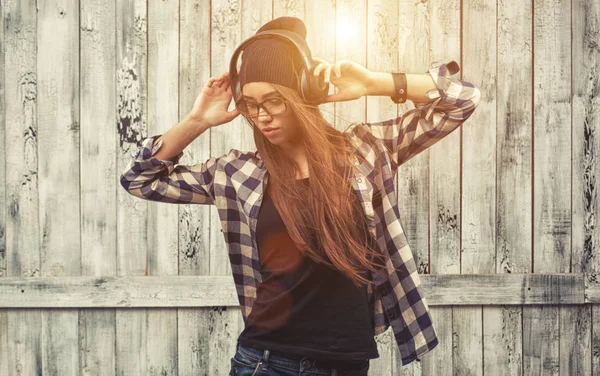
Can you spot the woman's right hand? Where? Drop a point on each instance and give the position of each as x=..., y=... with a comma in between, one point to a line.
x=213, y=101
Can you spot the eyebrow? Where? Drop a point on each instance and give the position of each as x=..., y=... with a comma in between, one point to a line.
x=269, y=94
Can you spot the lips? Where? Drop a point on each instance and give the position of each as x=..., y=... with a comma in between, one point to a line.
x=267, y=129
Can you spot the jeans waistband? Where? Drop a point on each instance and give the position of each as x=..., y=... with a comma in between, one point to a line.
x=298, y=361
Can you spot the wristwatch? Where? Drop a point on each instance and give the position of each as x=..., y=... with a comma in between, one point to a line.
x=399, y=87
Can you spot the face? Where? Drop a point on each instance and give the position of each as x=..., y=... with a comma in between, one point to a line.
x=286, y=134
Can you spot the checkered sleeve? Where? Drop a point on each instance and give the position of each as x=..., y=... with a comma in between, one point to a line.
x=417, y=129
x=167, y=181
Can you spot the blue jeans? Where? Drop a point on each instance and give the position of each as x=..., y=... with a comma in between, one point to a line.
x=249, y=361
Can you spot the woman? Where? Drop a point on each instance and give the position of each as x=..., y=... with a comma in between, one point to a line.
x=311, y=222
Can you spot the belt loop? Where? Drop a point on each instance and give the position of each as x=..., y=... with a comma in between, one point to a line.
x=265, y=359
x=334, y=372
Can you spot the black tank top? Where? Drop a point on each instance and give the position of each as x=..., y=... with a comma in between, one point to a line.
x=302, y=307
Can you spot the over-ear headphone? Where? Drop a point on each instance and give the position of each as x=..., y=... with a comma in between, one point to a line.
x=313, y=90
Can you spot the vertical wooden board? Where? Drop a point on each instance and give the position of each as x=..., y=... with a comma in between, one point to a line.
x=193, y=341
x=575, y=339
x=442, y=363
x=479, y=140
x=467, y=340
x=21, y=179
x=25, y=342
x=97, y=341
x=552, y=141
x=541, y=340
x=586, y=139
x=585, y=22
x=502, y=340
x=445, y=155
x=552, y=173
x=293, y=8
x=444, y=163
x=382, y=56
x=130, y=349
x=59, y=173
x=163, y=113
x=595, y=340
x=24, y=351
x=412, y=177
x=226, y=16
x=4, y=355
x=350, y=44
x=133, y=237
x=98, y=183
x=194, y=220
x=513, y=182
x=478, y=206
x=320, y=37
x=586, y=147
x=226, y=35
x=3, y=206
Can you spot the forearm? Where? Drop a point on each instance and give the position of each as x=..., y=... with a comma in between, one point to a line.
x=178, y=138
x=417, y=86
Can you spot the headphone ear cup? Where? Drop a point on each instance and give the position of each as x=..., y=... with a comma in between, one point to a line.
x=314, y=89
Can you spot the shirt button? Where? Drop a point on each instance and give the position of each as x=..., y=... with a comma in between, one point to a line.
x=306, y=363
x=359, y=180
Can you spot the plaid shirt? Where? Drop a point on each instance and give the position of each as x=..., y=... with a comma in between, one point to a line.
x=234, y=183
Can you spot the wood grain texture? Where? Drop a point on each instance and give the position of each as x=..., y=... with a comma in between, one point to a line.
x=444, y=190
x=205, y=291
x=98, y=140
x=551, y=179
x=580, y=332
x=133, y=228
x=58, y=78
x=382, y=41
x=94, y=282
x=227, y=19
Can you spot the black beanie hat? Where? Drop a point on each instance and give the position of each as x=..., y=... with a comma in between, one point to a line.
x=274, y=60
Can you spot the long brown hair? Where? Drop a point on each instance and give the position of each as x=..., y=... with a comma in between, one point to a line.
x=324, y=210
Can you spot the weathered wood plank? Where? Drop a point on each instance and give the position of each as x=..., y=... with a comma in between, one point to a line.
x=551, y=179
x=478, y=204
x=412, y=50
x=382, y=42
x=59, y=171
x=580, y=333
x=4, y=357
x=21, y=180
x=194, y=220
x=133, y=226
x=209, y=291
x=503, y=325
x=226, y=35
x=444, y=185
x=98, y=184
x=163, y=113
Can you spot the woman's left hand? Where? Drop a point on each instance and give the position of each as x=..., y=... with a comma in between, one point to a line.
x=351, y=79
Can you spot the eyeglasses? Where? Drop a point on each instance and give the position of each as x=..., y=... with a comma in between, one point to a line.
x=273, y=106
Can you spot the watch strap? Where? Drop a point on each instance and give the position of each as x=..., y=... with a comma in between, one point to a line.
x=399, y=87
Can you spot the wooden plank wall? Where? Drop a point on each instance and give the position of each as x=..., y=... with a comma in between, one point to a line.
x=513, y=192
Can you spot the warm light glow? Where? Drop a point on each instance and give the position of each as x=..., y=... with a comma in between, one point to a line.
x=346, y=31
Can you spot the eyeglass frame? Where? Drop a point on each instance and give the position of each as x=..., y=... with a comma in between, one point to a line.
x=261, y=105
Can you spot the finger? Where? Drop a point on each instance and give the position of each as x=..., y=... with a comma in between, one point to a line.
x=318, y=69
x=327, y=74
x=338, y=69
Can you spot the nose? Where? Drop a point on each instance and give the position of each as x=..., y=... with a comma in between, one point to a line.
x=263, y=115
